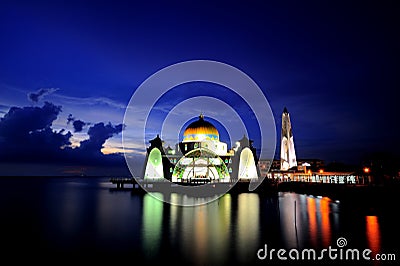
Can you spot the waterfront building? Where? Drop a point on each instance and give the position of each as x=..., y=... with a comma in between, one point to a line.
x=289, y=168
x=201, y=157
x=303, y=165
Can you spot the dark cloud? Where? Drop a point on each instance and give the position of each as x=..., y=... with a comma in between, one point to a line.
x=70, y=119
x=78, y=124
x=36, y=96
x=98, y=134
x=20, y=122
x=27, y=136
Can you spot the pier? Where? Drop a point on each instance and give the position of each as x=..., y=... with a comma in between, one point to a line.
x=358, y=192
x=121, y=182
x=341, y=178
x=319, y=177
x=165, y=186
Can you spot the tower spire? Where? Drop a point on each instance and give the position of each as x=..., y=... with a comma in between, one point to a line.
x=288, y=153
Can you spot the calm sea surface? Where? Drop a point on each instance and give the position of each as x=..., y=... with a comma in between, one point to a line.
x=53, y=220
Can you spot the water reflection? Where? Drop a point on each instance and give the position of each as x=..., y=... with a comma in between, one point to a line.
x=248, y=225
x=312, y=220
x=230, y=229
x=305, y=220
x=152, y=220
x=84, y=218
x=289, y=226
x=201, y=233
x=326, y=233
x=70, y=204
x=373, y=234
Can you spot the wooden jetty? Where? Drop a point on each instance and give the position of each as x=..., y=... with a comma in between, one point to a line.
x=355, y=193
x=143, y=186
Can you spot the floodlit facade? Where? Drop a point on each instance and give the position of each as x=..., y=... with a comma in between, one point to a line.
x=288, y=153
x=201, y=158
x=154, y=168
x=200, y=166
x=247, y=166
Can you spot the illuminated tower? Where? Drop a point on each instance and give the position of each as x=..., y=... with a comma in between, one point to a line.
x=288, y=154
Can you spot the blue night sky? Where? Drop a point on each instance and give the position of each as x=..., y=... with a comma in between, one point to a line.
x=68, y=70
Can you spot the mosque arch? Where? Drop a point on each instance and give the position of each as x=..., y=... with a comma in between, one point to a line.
x=247, y=165
x=200, y=165
x=154, y=167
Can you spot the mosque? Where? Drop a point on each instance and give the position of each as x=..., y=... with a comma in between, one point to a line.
x=201, y=158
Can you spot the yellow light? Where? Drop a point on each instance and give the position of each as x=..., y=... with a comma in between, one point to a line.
x=366, y=170
x=321, y=171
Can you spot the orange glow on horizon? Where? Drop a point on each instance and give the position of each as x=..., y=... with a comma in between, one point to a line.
x=110, y=150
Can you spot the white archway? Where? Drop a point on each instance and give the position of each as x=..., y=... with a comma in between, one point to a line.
x=200, y=164
x=154, y=166
x=247, y=165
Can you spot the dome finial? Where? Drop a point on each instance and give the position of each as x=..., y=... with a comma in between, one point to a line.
x=201, y=116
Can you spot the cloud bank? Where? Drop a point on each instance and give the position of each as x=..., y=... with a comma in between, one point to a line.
x=27, y=136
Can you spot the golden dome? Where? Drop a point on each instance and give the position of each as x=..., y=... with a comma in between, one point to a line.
x=200, y=130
